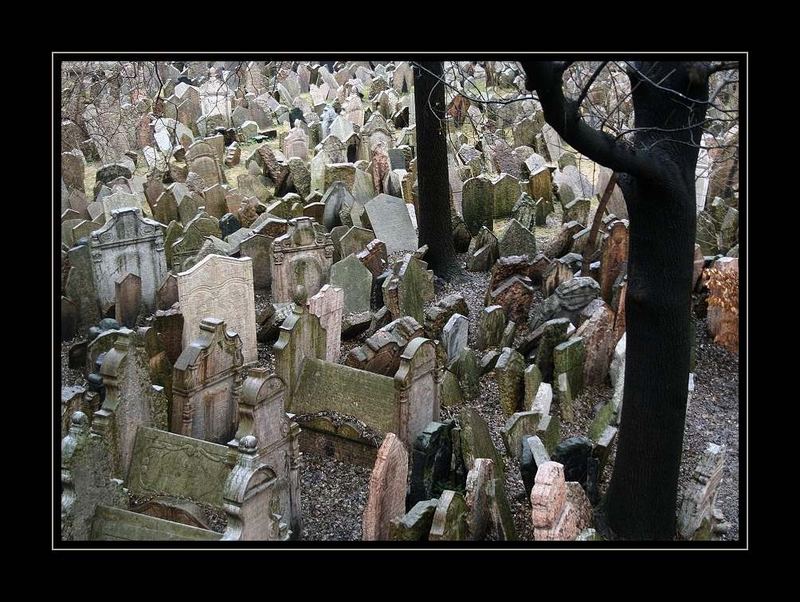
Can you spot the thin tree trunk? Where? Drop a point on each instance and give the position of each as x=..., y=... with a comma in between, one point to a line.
x=435, y=226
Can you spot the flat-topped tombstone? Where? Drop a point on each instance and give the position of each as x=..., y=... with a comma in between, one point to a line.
x=129, y=243
x=301, y=257
x=387, y=489
x=355, y=280
x=220, y=287
x=128, y=293
x=391, y=223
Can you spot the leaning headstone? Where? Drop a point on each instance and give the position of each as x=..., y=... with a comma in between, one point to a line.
x=450, y=518
x=483, y=251
x=220, y=287
x=533, y=456
x=517, y=428
x=697, y=517
x=438, y=314
x=408, y=288
x=455, y=336
x=479, y=497
x=491, y=325
x=415, y=524
x=431, y=459
x=391, y=223
x=568, y=358
x=355, y=280
x=387, y=489
x=509, y=372
x=476, y=442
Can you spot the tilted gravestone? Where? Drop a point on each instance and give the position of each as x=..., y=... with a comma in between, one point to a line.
x=391, y=223
x=387, y=489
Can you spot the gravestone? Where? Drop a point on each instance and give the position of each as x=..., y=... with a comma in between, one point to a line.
x=517, y=429
x=408, y=288
x=483, y=251
x=128, y=295
x=301, y=336
x=491, y=324
x=355, y=280
x=355, y=240
x=328, y=306
x=301, y=257
x=477, y=203
x=598, y=334
x=220, y=287
x=387, y=489
x=505, y=193
x=80, y=287
x=614, y=257
x=455, y=335
x=130, y=400
x=128, y=243
x=697, y=516
x=516, y=240
x=437, y=315
x=431, y=459
x=258, y=247
x=191, y=239
x=206, y=381
x=381, y=352
x=391, y=223
x=509, y=372
x=450, y=518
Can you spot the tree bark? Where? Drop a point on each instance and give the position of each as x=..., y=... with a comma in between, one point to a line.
x=657, y=179
x=435, y=226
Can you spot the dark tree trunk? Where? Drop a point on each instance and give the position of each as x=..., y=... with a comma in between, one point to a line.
x=435, y=226
x=642, y=496
x=657, y=179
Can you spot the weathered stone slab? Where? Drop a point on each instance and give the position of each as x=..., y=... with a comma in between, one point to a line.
x=220, y=287
x=387, y=489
